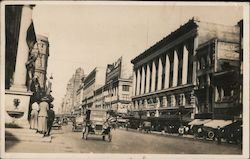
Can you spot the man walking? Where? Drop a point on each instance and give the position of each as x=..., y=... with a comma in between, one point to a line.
x=51, y=117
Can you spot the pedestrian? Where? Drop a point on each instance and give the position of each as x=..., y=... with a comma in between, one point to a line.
x=43, y=115
x=34, y=115
x=51, y=118
x=218, y=135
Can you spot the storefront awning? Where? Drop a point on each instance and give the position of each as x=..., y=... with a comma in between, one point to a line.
x=216, y=123
x=199, y=121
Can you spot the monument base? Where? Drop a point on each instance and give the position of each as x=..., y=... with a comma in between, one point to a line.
x=17, y=108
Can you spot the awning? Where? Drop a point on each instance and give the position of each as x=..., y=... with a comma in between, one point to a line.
x=216, y=123
x=199, y=121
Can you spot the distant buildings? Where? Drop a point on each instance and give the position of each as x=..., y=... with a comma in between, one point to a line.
x=70, y=99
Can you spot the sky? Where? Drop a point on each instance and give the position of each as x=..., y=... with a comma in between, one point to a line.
x=94, y=35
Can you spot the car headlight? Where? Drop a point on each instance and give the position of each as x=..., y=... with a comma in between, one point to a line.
x=105, y=126
x=93, y=126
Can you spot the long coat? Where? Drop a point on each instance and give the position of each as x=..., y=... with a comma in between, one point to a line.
x=42, y=116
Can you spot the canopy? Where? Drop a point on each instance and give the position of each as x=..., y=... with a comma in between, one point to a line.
x=216, y=123
x=199, y=121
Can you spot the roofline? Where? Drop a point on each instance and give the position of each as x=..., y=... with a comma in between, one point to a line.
x=192, y=23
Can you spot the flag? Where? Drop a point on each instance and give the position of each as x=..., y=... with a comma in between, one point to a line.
x=31, y=36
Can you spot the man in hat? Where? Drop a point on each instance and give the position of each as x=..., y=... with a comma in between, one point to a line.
x=51, y=117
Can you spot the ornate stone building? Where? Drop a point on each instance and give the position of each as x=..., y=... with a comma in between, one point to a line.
x=117, y=90
x=165, y=75
x=41, y=48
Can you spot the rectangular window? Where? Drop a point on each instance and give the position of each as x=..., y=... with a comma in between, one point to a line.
x=125, y=88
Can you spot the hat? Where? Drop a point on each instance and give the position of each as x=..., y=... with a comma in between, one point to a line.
x=45, y=99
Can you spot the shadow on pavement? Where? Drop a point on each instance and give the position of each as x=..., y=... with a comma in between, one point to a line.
x=10, y=140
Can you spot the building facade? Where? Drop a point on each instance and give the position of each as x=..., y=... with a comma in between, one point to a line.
x=41, y=49
x=71, y=99
x=116, y=92
x=165, y=75
x=93, y=81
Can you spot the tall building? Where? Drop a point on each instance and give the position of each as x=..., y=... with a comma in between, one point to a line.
x=70, y=99
x=165, y=75
x=41, y=49
x=117, y=91
x=93, y=81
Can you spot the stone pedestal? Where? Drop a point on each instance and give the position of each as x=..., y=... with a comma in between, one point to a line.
x=17, y=114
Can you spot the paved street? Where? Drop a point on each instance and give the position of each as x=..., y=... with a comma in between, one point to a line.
x=123, y=142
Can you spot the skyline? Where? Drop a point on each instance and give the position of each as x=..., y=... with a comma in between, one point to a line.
x=76, y=39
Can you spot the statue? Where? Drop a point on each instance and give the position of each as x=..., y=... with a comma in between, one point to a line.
x=30, y=66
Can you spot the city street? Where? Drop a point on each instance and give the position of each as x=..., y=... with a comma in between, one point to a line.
x=66, y=141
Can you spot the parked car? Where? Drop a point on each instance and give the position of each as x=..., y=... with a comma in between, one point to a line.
x=97, y=123
x=57, y=124
x=77, y=123
x=146, y=126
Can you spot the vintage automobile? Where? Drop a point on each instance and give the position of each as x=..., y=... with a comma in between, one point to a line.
x=97, y=123
x=146, y=126
x=57, y=124
x=77, y=123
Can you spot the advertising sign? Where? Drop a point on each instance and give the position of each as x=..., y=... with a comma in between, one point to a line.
x=228, y=51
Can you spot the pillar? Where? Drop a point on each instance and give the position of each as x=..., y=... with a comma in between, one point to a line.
x=173, y=101
x=143, y=80
x=167, y=72
x=145, y=103
x=175, y=69
x=164, y=101
x=194, y=61
x=185, y=66
x=138, y=82
x=159, y=83
x=134, y=83
x=153, y=77
x=158, y=103
x=19, y=82
x=147, y=78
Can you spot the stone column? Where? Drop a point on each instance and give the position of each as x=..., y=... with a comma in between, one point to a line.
x=19, y=83
x=173, y=101
x=164, y=101
x=134, y=83
x=159, y=83
x=183, y=99
x=143, y=80
x=153, y=77
x=167, y=72
x=185, y=66
x=193, y=102
x=158, y=102
x=145, y=103
x=148, y=78
x=194, y=61
x=175, y=69
x=138, y=82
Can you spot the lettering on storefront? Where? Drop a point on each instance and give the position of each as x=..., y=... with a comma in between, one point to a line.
x=228, y=51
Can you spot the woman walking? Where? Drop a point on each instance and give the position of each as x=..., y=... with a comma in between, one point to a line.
x=43, y=116
x=34, y=116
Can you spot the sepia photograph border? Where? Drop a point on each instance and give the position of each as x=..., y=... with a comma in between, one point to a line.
x=245, y=148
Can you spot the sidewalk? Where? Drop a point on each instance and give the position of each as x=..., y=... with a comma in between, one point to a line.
x=24, y=134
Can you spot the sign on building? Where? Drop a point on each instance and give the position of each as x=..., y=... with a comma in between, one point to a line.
x=228, y=51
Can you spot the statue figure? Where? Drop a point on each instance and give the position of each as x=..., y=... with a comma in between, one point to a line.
x=30, y=66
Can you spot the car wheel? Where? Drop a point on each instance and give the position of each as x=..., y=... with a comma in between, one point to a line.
x=210, y=134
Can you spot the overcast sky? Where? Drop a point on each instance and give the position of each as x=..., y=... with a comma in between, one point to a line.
x=94, y=35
